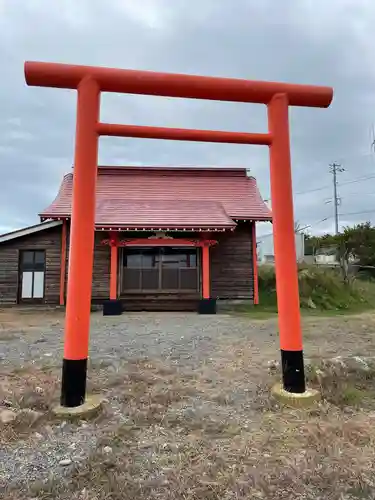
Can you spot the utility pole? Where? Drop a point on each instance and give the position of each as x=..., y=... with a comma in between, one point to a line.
x=334, y=168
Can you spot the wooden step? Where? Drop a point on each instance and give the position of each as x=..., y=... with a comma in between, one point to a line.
x=159, y=303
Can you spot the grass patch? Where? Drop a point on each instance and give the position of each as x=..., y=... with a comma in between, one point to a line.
x=167, y=449
x=29, y=392
x=292, y=455
x=344, y=385
x=30, y=388
x=182, y=432
x=352, y=396
x=322, y=292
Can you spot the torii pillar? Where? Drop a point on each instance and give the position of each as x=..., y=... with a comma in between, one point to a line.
x=90, y=82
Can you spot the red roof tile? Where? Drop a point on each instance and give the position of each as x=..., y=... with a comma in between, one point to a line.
x=169, y=213
x=168, y=196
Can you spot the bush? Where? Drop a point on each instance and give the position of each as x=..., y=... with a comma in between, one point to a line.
x=267, y=286
x=319, y=288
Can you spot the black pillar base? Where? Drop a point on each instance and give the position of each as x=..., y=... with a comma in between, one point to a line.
x=73, y=385
x=207, y=306
x=293, y=371
x=112, y=308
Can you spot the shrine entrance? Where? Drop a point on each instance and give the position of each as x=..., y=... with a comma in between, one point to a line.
x=159, y=270
x=90, y=82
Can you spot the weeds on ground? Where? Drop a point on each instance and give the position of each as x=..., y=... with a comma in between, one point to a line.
x=322, y=291
x=213, y=433
x=344, y=386
x=291, y=455
x=29, y=393
x=179, y=441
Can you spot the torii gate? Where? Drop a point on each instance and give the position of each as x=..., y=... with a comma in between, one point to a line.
x=90, y=81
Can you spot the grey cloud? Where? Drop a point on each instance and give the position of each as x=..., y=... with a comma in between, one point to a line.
x=317, y=42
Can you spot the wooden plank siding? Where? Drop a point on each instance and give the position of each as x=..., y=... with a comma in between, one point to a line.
x=101, y=269
x=232, y=264
x=48, y=240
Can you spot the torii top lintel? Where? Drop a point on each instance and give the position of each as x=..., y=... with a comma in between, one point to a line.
x=67, y=76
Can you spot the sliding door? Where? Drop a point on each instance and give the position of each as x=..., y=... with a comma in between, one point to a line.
x=159, y=269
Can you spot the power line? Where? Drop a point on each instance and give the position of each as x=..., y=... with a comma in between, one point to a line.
x=315, y=223
x=261, y=236
x=359, y=194
x=305, y=192
x=359, y=213
x=312, y=190
x=359, y=179
x=336, y=200
x=302, y=228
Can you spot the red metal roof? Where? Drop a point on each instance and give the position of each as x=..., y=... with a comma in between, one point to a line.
x=169, y=213
x=168, y=196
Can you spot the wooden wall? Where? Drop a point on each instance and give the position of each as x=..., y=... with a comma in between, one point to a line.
x=48, y=240
x=101, y=270
x=232, y=264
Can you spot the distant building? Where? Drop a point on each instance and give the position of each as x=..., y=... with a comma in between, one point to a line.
x=266, y=253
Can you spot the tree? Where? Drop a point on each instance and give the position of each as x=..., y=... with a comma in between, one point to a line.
x=353, y=243
x=356, y=243
x=359, y=241
x=297, y=227
x=311, y=244
x=314, y=243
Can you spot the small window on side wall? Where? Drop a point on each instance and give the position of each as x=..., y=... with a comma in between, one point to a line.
x=32, y=274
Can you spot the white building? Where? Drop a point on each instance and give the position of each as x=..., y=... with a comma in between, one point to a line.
x=265, y=249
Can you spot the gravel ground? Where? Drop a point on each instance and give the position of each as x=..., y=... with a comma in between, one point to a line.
x=184, y=341
x=134, y=351
x=186, y=338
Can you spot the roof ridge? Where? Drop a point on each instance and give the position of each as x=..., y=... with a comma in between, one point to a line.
x=153, y=200
x=110, y=170
x=205, y=168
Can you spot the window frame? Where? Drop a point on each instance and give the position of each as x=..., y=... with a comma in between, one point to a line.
x=158, y=266
x=34, y=267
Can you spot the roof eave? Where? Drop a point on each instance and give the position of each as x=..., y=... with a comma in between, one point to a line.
x=49, y=216
x=160, y=227
x=46, y=216
x=146, y=227
x=26, y=231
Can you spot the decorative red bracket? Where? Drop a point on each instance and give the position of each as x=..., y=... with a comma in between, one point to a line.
x=158, y=242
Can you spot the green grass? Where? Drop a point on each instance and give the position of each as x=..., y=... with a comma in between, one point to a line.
x=322, y=293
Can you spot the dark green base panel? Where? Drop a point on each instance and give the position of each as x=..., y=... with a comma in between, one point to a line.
x=207, y=306
x=112, y=308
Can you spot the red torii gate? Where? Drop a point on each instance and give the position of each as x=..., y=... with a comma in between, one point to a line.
x=90, y=82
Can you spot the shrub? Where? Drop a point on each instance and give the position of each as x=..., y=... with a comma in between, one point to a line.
x=319, y=288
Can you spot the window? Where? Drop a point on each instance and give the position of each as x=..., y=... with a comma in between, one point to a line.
x=160, y=269
x=174, y=258
x=32, y=270
x=145, y=259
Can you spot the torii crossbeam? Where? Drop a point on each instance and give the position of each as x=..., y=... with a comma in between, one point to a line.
x=90, y=82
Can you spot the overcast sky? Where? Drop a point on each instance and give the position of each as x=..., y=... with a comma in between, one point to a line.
x=315, y=42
